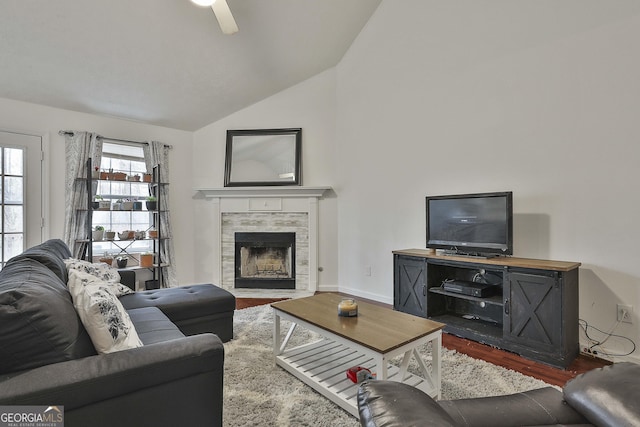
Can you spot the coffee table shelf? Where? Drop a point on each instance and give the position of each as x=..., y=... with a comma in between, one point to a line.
x=324, y=364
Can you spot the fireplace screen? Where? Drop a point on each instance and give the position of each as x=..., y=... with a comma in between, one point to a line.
x=265, y=260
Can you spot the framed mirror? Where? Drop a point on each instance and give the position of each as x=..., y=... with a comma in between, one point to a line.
x=257, y=157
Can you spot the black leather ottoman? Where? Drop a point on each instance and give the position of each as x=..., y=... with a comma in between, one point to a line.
x=194, y=309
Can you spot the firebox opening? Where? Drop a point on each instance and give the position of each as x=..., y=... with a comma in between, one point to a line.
x=265, y=260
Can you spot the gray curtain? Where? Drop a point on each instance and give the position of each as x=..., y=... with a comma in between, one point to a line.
x=79, y=147
x=157, y=153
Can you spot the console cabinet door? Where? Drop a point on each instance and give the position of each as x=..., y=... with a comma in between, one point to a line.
x=410, y=286
x=533, y=311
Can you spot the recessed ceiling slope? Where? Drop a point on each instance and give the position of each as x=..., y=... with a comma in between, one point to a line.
x=167, y=62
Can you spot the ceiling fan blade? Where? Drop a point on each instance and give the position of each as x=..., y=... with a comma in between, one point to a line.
x=225, y=18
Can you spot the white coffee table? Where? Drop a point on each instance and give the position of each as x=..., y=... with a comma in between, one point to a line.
x=370, y=340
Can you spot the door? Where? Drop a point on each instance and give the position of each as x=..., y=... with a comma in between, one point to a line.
x=21, y=219
x=410, y=293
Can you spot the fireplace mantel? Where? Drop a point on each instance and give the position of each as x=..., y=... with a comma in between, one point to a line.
x=269, y=191
x=272, y=200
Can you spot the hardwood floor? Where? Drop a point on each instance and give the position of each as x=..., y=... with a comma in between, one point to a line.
x=490, y=354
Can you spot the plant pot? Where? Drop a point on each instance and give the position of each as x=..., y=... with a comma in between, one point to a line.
x=116, y=206
x=95, y=205
x=104, y=205
x=137, y=206
x=152, y=206
x=107, y=260
x=146, y=260
x=122, y=262
x=119, y=176
x=126, y=235
x=104, y=175
x=151, y=284
x=110, y=235
x=97, y=235
x=146, y=177
x=126, y=206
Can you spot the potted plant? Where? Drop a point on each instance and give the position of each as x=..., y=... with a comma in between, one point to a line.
x=152, y=203
x=96, y=202
x=97, y=233
x=152, y=233
x=137, y=205
x=146, y=177
x=146, y=260
x=117, y=205
x=106, y=258
x=121, y=261
x=110, y=235
x=126, y=205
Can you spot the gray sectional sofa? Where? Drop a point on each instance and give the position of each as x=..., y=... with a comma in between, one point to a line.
x=47, y=357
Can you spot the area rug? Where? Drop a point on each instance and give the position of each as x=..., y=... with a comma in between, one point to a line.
x=259, y=393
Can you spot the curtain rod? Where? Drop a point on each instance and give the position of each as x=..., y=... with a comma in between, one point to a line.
x=71, y=133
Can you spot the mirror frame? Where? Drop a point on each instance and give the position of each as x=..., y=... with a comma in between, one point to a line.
x=258, y=133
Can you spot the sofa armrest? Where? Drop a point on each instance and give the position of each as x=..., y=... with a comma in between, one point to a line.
x=607, y=396
x=83, y=382
x=390, y=403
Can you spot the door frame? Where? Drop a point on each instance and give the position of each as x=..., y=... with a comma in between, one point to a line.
x=44, y=178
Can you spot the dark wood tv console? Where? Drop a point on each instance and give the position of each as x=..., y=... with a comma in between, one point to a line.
x=531, y=306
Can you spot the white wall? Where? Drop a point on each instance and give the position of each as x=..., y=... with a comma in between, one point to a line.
x=310, y=106
x=46, y=121
x=541, y=98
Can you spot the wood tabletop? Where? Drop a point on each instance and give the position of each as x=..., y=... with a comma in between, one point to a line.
x=539, y=264
x=378, y=328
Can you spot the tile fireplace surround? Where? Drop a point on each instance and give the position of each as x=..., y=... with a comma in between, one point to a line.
x=265, y=209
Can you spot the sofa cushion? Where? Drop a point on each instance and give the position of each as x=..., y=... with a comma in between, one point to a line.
x=39, y=324
x=102, y=272
x=50, y=254
x=102, y=314
x=607, y=396
x=153, y=326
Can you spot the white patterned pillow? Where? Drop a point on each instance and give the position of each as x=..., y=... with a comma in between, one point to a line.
x=101, y=271
x=102, y=314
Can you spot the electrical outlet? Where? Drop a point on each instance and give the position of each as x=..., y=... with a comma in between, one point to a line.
x=625, y=313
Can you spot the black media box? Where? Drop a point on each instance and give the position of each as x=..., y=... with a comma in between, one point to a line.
x=466, y=287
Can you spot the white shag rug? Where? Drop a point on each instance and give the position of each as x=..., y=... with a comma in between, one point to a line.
x=259, y=393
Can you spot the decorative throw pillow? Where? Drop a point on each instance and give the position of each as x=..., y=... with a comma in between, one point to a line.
x=102, y=271
x=101, y=313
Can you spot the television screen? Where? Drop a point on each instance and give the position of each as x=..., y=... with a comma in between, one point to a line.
x=475, y=224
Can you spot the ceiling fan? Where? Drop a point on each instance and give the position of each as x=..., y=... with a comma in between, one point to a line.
x=223, y=14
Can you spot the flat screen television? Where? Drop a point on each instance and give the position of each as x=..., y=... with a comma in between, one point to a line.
x=471, y=224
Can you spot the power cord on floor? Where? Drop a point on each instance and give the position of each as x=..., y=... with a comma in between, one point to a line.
x=593, y=343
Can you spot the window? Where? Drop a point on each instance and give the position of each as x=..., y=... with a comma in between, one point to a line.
x=130, y=160
x=12, y=204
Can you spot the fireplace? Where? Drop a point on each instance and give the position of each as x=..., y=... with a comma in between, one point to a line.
x=265, y=260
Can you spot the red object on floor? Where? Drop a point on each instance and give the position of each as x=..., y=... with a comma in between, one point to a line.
x=358, y=374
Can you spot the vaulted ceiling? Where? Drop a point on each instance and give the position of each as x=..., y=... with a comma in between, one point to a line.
x=166, y=62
